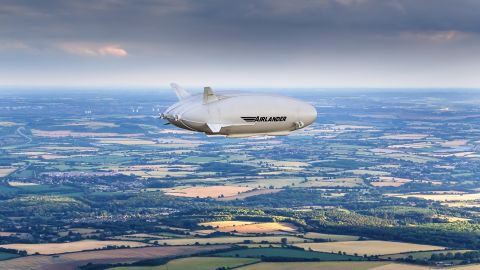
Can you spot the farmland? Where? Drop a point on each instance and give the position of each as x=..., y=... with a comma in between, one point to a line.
x=54, y=248
x=71, y=261
x=367, y=247
x=227, y=240
x=315, y=265
x=287, y=253
x=250, y=227
x=377, y=174
x=196, y=263
x=209, y=191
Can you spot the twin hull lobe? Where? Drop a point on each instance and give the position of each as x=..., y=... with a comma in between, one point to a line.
x=242, y=115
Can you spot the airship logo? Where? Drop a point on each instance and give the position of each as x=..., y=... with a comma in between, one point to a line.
x=264, y=118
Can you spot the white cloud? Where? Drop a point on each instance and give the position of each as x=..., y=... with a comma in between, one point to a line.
x=93, y=50
x=113, y=50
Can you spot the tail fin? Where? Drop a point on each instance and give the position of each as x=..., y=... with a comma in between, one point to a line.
x=179, y=91
x=208, y=95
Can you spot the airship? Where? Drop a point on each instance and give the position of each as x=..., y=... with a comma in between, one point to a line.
x=238, y=114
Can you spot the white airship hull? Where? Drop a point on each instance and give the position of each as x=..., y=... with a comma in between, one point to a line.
x=240, y=115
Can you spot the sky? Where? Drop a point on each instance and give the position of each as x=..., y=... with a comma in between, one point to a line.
x=241, y=43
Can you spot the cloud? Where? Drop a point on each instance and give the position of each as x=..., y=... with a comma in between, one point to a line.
x=331, y=37
x=93, y=50
x=12, y=45
x=436, y=36
x=351, y=2
x=113, y=51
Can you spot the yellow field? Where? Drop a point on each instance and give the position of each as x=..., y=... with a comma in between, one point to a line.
x=21, y=184
x=443, y=197
x=404, y=136
x=93, y=124
x=125, y=141
x=7, y=124
x=372, y=247
x=5, y=171
x=68, y=133
x=314, y=266
x=228, y=240
x=250, y=227
x=205, y=192
x=387, y=181
x=454, y=143
x=225, y=223
x=55, y=248
x=250, y=193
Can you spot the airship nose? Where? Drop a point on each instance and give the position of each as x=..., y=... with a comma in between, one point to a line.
x=309, y=114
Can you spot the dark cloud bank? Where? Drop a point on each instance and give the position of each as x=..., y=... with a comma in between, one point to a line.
x=324, y=43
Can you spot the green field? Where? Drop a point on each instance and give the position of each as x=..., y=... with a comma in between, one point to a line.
x=331, y=237
x=287, y=253
x=421, y=254
x=23, y=174
x=47, y=189
x=229, y=240
x=6, y=256
x=195, y=263
x=314, y=266
x=5, y=188
x=201, y=159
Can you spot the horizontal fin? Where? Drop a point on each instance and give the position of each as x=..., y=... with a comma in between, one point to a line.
x=243, y=135
x=215, y=128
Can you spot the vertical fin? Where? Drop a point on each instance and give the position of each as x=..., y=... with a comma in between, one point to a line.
x=179, y=91
x=208, y=95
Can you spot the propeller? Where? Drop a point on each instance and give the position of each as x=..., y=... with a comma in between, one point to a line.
x=163, y=117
